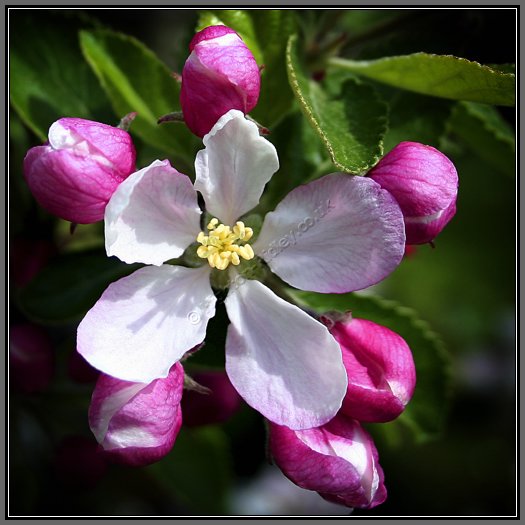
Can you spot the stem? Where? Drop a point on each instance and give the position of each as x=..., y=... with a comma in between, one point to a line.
x=176, y=116
x=125, y=122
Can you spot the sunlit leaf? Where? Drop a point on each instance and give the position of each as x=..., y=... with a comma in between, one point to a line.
x=351, y=125
x=438, y=75
x=136, y=80
x=49, y=78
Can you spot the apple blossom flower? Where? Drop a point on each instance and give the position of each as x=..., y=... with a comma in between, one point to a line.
x=425, y=184
x=137, y=423
x=220, y=74
x=341, y=233
x=380, y=368
x=75, y=173
x=338, y=460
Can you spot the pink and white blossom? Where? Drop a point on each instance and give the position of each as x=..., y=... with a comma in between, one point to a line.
x=284, y=363
x=76, y=172
x=424, y=183
x=137, y=423
x=338, y=460
x=380, y=368
x=220, y=74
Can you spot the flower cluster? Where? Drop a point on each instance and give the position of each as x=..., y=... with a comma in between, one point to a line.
x=314, y=379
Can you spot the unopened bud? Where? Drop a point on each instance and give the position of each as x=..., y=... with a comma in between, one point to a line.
x=380, y=368
x=425, y=184
x=74, y=175
x=137, y=423
x=220, y=74
x=338, y=460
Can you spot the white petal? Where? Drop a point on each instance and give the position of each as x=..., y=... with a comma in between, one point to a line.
x=145, y=322
x=234, y=167
x=153, y=216
x=284, y=363
x=336, y=234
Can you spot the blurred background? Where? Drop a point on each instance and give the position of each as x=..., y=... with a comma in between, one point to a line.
x=464, y=287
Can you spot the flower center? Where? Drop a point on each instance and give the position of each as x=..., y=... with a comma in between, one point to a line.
x=221, y=246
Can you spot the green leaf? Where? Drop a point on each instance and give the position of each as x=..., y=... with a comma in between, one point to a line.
x=486, y=133
x=198, y=470
x=351, y=125
x=68, y=286
x=503, y=68
x=426, y=412
x=49, y=78
x=438, y=75
x=136, y=80
x=416, y=118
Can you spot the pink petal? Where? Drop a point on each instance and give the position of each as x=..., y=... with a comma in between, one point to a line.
x=234, y=167
x=74, y=175
x=153, y=216
x=145, y=322
x=109, y=144
x=334, y=235
x=137, y=423
x=338, y=460
x=380, y=368
x=283, y=362
x=73, y=187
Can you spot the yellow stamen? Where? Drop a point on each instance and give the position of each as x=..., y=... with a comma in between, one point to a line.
x=220, y=245
x=212, y=224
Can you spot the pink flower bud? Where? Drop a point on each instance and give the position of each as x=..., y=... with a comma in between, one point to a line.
x=425, y=184
x=31, y=358
x=380, y=368
x=74, y=175
x=220, y=74
x=79, y=462
x=137, y=423
x=338, y=460
x=214, y=407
